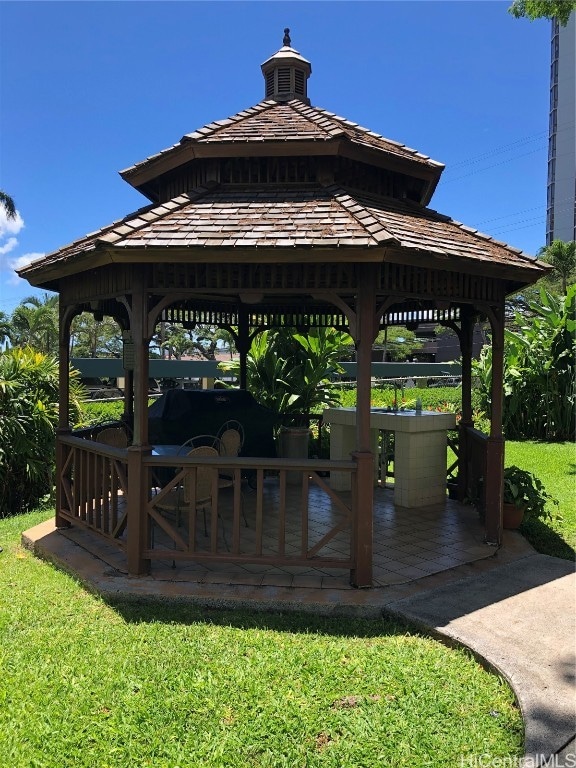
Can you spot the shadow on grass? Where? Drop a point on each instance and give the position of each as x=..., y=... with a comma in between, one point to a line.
x=145, y=610
x=546, y=540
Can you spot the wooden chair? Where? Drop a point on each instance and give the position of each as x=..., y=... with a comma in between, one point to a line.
x=181, y=497
x=115, y=437
x=201, y=441
x=231, y=435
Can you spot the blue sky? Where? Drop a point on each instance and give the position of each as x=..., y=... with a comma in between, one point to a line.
x=90, y=88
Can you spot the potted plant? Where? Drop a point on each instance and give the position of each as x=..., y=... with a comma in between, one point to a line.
x=525, y=497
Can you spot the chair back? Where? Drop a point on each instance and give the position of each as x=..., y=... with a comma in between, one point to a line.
x=231, y=435
x=116, y=437
x=200, y=441
x=204, y=476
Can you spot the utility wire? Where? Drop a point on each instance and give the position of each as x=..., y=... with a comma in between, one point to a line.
x=502, y=162
x=526, y=210
x=506, y=147
x=494, y=165
x=536, y=219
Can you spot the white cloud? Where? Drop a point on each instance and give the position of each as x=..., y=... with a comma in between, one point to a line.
x=21, y=261
x=10, y=226
x=8, y=246
x=8, y=242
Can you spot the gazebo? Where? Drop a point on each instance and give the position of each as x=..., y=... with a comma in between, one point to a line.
x=284, y=214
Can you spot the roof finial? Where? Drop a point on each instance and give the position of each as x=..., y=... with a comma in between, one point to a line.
x=286, y=40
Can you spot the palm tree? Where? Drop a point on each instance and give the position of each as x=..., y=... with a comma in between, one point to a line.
x=35, y=323
x=5, y=328
x=562, y=256
x=8, y=204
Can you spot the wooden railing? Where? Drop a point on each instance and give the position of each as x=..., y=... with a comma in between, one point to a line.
x=93, y=486
x=264, y=517
x=275, y=511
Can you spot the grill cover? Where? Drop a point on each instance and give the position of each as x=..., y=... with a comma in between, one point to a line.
x=183, y=413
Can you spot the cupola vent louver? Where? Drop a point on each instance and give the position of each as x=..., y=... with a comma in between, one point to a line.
x=286, y=73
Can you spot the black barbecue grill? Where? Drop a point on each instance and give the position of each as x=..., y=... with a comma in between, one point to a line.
x=181, y=414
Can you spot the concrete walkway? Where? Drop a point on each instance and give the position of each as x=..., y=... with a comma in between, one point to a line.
x=515, y=610
x=520, y=618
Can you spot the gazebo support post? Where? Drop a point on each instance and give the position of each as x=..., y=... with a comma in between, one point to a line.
x=63, y=403
x=361, y=575
x=138, y=522
x=128, y=415
x=495, y=443
x=465, y=336
x=243, y=345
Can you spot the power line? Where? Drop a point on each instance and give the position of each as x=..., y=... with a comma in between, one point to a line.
x=536, y=222
x=486, y=155
x=494, y=165
x=503, y=162
x=506, y=147
x=526, y=210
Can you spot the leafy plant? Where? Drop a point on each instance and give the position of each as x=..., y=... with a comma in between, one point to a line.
x=539, y=371
x=28, y=418
x=290, y=372
x=527, y=492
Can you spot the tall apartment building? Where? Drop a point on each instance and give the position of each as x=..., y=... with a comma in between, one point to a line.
x=561, y=202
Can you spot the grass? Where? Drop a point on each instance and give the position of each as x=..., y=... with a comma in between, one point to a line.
x=85, y=683
x=555, y=465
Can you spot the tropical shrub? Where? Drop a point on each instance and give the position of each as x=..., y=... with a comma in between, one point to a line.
x=539, y=371
x=28, y=419
x=291, y=372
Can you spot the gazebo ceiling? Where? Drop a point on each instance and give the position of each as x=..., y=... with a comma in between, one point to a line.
x=285, y=183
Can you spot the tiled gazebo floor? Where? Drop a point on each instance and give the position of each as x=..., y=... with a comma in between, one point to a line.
x=409, y=544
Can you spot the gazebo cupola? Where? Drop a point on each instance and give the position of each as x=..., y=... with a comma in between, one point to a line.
x=286, y=73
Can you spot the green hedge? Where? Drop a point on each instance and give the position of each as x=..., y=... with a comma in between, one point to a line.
x=433, y=398
x=95, y=412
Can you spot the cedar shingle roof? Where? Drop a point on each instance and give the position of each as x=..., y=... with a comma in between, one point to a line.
x=261, y=217
x=271, y=121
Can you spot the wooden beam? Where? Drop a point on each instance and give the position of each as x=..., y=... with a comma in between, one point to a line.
x=138, y=531
x=361, y=575
x=495, y=443
x=65, y=319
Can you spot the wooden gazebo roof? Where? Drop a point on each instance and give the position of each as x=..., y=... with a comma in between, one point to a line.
x=286, y=182
x=218, y=223
x=310, y=131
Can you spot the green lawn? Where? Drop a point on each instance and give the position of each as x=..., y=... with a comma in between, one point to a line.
x=555, y=465
x=85, y=683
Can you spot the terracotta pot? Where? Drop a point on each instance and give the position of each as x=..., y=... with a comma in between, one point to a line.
x=512, y=516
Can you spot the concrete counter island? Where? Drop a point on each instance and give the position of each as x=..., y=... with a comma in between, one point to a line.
x=420, y=446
